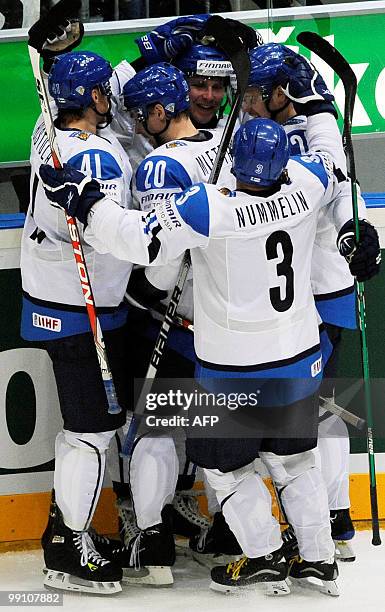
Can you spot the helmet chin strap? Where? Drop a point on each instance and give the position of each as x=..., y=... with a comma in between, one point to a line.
x=156, y=135
x=107, y=116
x=275, y=113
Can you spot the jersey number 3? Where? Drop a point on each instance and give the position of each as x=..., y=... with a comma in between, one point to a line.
x=281, y=304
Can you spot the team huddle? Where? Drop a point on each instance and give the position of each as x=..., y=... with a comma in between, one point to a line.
x=269, y=292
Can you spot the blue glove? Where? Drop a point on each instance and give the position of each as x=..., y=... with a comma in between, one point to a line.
x=306, y=87
x=70, y=189
x=364, y=259
x=171, y=39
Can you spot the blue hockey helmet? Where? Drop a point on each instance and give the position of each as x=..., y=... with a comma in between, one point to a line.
x=74, y=75
x=160, y=83
x=205, y=61
x=270, y=67
x=260, y=152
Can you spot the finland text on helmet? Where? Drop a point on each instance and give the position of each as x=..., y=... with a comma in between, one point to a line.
x=260, y=153
x=74, y=75
x=205, y=61
x=160, y=83
x=270, y=67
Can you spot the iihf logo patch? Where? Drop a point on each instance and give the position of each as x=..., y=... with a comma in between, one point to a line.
x=45, y=322
x=316, y=367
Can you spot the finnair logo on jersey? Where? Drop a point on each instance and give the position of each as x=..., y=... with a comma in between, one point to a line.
x=44, y=322
x=316, y=367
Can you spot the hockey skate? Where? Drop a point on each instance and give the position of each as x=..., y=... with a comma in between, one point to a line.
x=187, y=519
x=325, y=572
x=342, y=532
x=74, y=564
x=128, y=528
x=290, y=544
x=148, y=558
x=269, y=571
x=216, y=545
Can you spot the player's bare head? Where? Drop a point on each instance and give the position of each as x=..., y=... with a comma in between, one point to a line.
x=208, y=72
x=79, y=81
x=156, y=96
x=260, y=153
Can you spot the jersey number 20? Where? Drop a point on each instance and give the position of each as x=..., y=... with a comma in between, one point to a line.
x=281, y=304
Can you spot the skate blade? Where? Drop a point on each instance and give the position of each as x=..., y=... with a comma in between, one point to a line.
x=67, y=582
x=213, y=560
x=344, y=551
x=151, y=575
x=276, y=588
x=328, y=587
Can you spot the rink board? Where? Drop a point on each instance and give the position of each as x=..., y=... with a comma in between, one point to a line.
x=30, y=414
x=341, y=24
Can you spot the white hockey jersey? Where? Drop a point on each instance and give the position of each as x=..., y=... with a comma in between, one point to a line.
x=332, y=282
x=53, y=303
x=251, y=257
x=172, y=168
x=178, y=164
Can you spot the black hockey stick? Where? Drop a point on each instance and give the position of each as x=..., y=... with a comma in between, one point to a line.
x=341, y=67
x=240, y=61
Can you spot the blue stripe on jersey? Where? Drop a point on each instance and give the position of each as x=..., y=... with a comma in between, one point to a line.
x=326, y=346
x=315, y=167
x=100, y=164
x=274, y=386
x=39, y=322
x=193, y=207
x=158, y=172
x=339, y=310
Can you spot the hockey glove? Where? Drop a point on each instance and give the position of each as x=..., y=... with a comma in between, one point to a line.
x=364, y=259
x=58, y=32
x=70, y=189
x=306, y=87
x=141, y=293
x=171, y=39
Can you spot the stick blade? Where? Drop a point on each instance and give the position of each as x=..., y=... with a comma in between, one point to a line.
x=314, y=42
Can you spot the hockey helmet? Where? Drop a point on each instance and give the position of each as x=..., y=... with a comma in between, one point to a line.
x=205, y=61
x=74, y=75
x=271, y=65
x=160, y=83
x=260, y=152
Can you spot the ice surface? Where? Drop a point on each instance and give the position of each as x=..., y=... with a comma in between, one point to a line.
x=361, y=586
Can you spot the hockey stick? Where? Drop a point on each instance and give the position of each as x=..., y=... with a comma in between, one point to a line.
x=341, y=67
x=113, y=406
x=240, y=61
x=345, y=415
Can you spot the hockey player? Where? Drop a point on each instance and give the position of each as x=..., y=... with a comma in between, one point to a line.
x=271, y=216
x=54, y=314
x=207, y=72
x=159, y=96
x=275, y=93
